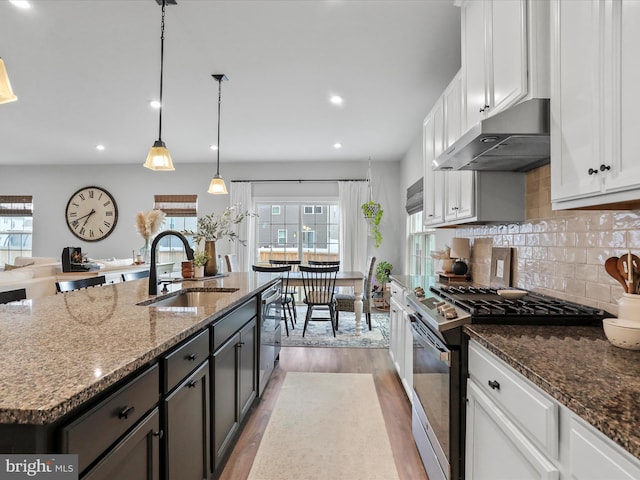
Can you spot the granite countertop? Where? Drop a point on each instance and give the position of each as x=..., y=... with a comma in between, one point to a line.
x=61, y=350
x=578, y=367
x=409, y=282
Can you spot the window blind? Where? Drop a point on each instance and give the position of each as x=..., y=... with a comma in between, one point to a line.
x=177, y=205
x=414, y=197
x=16, y=205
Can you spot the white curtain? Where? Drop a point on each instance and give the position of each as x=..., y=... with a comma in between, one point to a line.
x=241, y=196
x=353, y=226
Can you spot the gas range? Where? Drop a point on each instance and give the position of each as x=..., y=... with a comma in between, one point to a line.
x=447, y=307
x=440, y=357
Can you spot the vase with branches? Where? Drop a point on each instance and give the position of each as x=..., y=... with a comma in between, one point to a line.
x=213, y=227
x=148, y=225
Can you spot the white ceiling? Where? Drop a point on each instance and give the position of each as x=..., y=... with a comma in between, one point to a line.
x=85, y=70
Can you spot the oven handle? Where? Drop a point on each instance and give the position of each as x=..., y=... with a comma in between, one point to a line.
x=425, y=340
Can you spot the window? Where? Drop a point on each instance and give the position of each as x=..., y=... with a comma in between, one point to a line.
x=313, y=209
x=182, y=212
x=16, y=227
x=275, y=209
x=305, y=232
x=420, y=245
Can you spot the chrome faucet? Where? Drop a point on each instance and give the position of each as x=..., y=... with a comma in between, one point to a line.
x=153, y=274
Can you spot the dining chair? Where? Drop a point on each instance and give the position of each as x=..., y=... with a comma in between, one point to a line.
x=232, y=262
x=347, y=302
x=285, y=299
x=319, y=285
x=13, y=295
x=70, y=285
x=325, y=263
x=127, y=276
x=292, y=292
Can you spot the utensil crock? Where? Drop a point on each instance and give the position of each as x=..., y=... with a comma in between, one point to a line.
x=629, y=307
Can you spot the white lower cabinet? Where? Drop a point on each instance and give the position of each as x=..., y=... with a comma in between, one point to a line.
x=496, y=449
x=593, y=457
x=401, y=341
x=515, y=431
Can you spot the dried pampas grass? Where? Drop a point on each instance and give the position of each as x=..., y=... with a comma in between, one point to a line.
x=149, y=223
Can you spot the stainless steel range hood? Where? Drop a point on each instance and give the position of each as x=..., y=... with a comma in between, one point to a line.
x=515, y=140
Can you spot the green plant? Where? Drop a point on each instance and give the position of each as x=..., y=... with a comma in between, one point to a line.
x=200, y=258
x=373, y=214
x=216, y=227
x=383, y=270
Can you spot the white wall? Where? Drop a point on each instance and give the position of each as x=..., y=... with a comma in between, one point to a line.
x=134, y=187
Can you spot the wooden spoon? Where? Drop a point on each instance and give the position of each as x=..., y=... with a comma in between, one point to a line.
x=623, y=268
x=611, y=266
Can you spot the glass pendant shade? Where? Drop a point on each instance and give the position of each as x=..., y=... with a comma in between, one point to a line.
x=159, y=158
x=6, y=93
x=217, y=186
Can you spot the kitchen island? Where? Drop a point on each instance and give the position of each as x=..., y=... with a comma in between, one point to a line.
x=576, y=366
x=64, y=355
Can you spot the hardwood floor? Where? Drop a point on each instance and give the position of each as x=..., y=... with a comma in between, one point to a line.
x=396, y=408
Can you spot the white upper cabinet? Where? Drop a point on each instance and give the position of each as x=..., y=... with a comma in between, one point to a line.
x=595, y=100
x=433, y=188
x=459, y=199
x=494, y=56
x=455, y=197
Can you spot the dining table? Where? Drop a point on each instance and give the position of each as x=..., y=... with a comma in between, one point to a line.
x=343, y=279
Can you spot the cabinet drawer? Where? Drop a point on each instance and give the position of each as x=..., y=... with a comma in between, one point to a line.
x=592, y=455
x=184, y=359
x=93, y=432
x=232, y=322
x=398, y=293
x=536, y=414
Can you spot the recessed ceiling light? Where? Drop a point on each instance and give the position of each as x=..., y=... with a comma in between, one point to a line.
x=336, y=99
x=337, y=145
x=21, y=3
x=213, y=147
x=100, y=147
x=154, y=104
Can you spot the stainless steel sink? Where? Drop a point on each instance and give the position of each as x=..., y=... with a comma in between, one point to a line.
x=203, y=297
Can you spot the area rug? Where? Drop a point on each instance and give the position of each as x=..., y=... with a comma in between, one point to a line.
x=319, y=333
x=325, y=426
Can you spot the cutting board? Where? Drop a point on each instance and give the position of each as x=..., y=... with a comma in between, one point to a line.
x=501, y=267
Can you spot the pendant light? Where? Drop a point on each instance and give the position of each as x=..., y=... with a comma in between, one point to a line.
x=6, y=94
x=159, y=158
x=217, y=186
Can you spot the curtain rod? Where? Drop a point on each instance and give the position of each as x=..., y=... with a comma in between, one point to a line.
x=301, y=181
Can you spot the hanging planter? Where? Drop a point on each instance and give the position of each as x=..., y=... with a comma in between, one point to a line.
x=372, y=212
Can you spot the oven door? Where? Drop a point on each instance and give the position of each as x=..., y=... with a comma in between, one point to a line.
x=432, y=400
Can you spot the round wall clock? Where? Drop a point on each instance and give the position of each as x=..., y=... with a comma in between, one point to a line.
x=91, y=214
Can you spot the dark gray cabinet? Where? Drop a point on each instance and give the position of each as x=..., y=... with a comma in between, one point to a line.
x=136, y=456
x=187, y=427
x=94, y=431
x=234, y=369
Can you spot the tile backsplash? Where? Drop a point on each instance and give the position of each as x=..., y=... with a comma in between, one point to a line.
x=559, y=253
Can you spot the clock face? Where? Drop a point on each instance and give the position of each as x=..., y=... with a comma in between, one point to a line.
x=91, y=214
